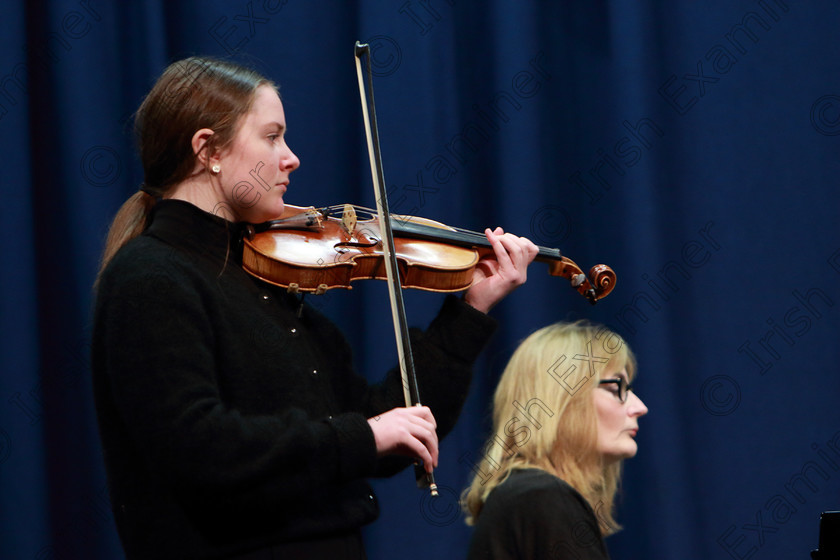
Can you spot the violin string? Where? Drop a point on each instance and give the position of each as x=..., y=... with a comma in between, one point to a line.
x=447, y=233
x=420, y=226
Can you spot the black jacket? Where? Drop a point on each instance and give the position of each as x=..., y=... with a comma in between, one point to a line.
x=228, y=422
x=534, y=514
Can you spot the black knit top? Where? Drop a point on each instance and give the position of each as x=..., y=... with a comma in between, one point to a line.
x=228, y=422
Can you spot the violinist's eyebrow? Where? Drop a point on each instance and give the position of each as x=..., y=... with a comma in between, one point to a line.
x=275, y=126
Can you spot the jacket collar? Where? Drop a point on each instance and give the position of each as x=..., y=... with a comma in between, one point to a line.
x=183, y=225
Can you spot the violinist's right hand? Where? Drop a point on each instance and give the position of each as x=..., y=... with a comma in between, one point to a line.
x=408, y=431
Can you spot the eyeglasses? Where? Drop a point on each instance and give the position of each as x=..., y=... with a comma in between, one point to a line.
x=623, y=387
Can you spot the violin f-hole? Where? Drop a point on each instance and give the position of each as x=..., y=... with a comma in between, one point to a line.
x=344, y=246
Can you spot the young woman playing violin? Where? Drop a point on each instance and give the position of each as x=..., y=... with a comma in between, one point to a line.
x=232, y=423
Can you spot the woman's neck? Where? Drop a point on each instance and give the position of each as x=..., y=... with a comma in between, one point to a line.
x=203, y=191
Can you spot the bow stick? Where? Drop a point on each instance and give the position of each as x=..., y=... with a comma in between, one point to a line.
x=409, y=378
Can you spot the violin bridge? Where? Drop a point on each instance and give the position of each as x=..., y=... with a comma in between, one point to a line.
x=348, y=219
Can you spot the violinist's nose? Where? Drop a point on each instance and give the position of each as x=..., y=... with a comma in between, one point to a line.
x=289, y=161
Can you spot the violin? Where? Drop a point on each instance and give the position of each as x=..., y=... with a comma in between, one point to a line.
x=312, y=250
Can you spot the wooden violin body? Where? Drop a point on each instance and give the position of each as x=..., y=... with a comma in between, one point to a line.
x=314, y=250
x=339, y=250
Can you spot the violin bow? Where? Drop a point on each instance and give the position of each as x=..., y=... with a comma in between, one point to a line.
x=407, y=371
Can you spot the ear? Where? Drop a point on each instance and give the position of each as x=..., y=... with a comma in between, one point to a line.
x=202, y=147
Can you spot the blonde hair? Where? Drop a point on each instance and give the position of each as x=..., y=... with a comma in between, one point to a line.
x=191, y=94
x=544, y=416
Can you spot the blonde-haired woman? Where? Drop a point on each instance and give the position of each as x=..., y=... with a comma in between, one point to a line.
x=564, y=418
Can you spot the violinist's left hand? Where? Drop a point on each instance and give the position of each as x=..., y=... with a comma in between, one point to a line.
x=499, y=274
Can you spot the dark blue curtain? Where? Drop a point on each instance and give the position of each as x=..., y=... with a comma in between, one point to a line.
x=692, y=146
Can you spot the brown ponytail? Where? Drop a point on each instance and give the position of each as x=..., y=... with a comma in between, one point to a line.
x=128, y=223
x=191, y=94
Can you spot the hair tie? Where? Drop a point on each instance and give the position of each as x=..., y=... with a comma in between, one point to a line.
x=144, y=188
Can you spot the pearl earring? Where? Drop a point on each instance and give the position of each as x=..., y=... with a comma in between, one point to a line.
x=216, y=168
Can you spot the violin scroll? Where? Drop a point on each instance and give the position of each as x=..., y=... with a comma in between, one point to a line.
x=598, y=284
x=603, y=279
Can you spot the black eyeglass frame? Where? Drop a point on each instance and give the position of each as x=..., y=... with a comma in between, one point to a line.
x=624, y=387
